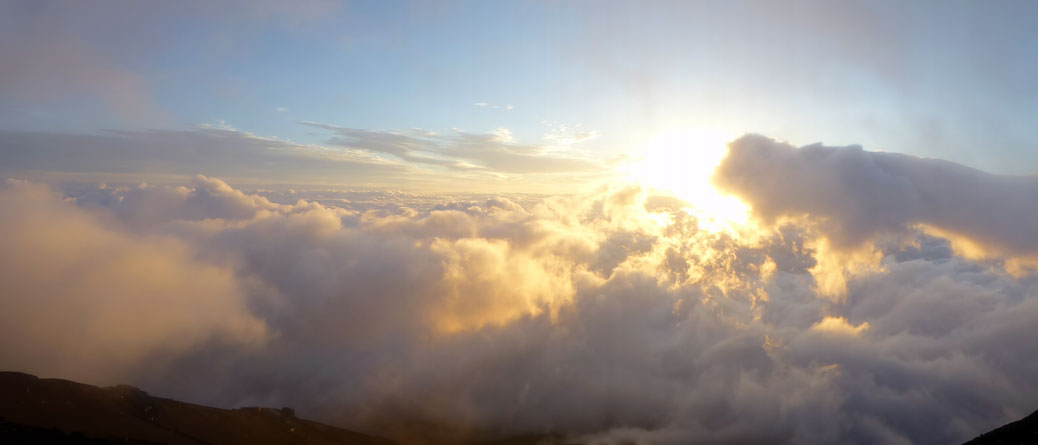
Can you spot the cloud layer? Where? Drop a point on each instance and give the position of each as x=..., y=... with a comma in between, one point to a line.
x=184, y=153
x=410, y=159
x=608, y=316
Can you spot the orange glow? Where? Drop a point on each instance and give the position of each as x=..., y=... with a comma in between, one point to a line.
x=681, y=162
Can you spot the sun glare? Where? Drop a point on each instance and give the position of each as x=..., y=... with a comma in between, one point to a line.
x=681, y=162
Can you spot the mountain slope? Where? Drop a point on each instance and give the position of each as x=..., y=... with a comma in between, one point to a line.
x=34, y=410
x=1023, y=431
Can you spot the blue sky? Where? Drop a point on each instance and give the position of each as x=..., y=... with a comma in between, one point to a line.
x=952, y=80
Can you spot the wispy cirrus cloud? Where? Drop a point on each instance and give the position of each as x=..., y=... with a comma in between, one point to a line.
x=408, y=159
x=494, y=152
x=492, y=106
x=216, y=149
x=565, y=135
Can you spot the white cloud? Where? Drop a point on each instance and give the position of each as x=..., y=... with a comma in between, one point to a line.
x=83, y=300
x=487, y=316
x=839, y=326
x=219, y=125
x=493, y=106
x=565, y=135
x=858, y=194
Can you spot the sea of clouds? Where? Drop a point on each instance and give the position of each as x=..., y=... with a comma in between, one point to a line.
x=877, y=298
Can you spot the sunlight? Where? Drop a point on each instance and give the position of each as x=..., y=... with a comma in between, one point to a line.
x=681, y=162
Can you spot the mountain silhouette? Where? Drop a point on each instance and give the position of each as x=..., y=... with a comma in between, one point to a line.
x=1023, y=431
x=56, y=411
x=35, y=410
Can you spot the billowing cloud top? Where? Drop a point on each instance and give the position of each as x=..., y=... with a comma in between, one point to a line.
x=860, y=194
x=608, y=316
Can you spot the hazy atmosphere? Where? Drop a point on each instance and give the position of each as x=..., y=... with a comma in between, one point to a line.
x=596, y=222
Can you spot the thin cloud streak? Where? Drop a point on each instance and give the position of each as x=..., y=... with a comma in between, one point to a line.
x=494, y=152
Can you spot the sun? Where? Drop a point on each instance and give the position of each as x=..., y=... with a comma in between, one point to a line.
x=681, y=162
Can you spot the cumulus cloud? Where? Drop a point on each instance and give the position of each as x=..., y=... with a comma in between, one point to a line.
x=83, y=300
x=609, y=317
x=861, y=194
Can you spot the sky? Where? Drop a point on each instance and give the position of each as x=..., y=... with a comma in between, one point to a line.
x=588, y=222
x=591, y=81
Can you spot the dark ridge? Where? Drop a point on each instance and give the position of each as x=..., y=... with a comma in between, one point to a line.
x=35, y=410
x=1023, y=431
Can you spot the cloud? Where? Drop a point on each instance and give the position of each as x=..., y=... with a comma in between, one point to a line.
x=411, y=159
x=205, y=199
x=492, y=106
x=568, y=135
x=839, y=326
x=219, y=150
x=87, y=301
x=494, y=152
x=608, y=316
x=860, y=194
